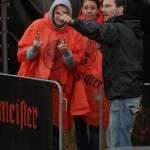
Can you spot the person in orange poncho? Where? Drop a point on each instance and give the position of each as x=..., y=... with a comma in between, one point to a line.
x=84, y=105
x=45, y=51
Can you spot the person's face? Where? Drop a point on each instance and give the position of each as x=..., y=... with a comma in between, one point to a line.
x=110, y=10
x=57, y=20
x=90, y=10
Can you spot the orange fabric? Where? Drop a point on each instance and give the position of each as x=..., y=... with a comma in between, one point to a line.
x=42, y=65
x=90, y=71
x=79, y=107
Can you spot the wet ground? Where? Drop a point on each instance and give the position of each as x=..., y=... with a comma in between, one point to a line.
x=69, y=140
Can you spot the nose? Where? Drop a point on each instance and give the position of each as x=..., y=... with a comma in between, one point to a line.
x=89, y=10
x=103, y=8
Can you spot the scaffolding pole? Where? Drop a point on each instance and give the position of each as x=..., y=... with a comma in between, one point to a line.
x=4, y=36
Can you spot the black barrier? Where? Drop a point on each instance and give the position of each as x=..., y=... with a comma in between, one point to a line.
x=141, y=129
x=25, y=114
x=131, y=148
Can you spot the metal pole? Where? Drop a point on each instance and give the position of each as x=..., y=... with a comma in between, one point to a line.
x=100, y=98
x=60, y=117
x=4, y=36
x=101, y=118
x=60, y=112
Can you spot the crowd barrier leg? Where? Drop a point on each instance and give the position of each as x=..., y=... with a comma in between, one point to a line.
x=60, y=112
x=100, y=98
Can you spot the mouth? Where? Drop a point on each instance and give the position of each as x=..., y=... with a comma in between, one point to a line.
x=88, y=16
x=60, y=22
x=105, y=15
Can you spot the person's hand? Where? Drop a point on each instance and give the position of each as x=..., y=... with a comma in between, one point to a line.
x=98, y=46
x=37, y=43
x=66, y=18
x=63, y=46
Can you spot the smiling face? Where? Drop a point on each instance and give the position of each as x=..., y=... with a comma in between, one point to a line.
x=57, y=20
x=90, y=10
x=110, y=10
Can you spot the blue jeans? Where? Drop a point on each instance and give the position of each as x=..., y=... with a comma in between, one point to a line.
x=122, y=116
x=87, y=136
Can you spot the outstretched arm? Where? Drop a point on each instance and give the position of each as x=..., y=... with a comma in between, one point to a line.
x=101, y=33
x=66, y=18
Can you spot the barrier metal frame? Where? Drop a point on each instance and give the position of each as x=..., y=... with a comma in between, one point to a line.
x=99, y=97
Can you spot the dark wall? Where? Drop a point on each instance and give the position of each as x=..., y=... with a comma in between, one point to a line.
x=141, y=9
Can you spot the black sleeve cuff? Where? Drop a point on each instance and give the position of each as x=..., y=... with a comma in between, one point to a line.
x=76, y=21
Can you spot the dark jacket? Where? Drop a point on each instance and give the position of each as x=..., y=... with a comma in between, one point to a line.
x=122, y=54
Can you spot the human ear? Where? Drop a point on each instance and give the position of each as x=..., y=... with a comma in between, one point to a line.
x=120, y=10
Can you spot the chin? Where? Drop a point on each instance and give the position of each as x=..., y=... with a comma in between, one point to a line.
x=60, y=26
x=89, y=19
x=106, y=20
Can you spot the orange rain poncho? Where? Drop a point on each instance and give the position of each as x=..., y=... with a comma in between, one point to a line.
x=89, y=81
x=48, y=64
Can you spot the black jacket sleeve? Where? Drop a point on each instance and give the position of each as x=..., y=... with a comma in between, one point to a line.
x=101, y=33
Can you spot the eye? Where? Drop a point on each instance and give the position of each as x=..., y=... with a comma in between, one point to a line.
x=105, y=6
x=66, y=13
x=86, y=8
x=57, y=12
x=93, y=8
